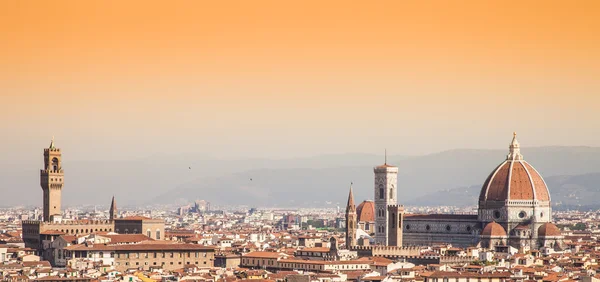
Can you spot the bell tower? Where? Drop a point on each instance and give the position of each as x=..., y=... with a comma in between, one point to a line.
x=386, y=176
x=350, y=221
x=52, y=180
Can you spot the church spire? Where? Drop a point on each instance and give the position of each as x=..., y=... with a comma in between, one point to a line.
x=113, y=209
x=52, y=143
x=351, y=221
x=514, y=149
x=350, y=206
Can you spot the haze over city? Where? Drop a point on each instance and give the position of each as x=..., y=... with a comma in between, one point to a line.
x=125, y=80
x=300, y=141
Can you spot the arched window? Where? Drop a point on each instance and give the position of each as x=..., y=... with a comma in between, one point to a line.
x=381, y=192
x=391, y=193
x=157, y=234
x=54, y=163
x=149, y=233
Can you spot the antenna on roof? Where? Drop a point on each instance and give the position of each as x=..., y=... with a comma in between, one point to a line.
x=385, y=157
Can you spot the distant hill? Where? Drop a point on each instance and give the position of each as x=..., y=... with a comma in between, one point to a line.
x=300, y=182
x=420, y=178
x=567, y=192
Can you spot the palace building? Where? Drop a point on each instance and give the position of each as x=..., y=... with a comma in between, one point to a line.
x=40, y=234
x=514, y=210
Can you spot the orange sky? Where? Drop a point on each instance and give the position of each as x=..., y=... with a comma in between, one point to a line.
x=293, y=78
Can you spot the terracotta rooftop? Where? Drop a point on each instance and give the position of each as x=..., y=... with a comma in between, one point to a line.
x=259, y=254
x=514, y=180
x=548, y=229
x=366, y=211
x=493, y=229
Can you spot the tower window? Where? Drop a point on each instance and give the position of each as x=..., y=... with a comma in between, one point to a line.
x=54, y=164
x=391, y=193
x=381, y=192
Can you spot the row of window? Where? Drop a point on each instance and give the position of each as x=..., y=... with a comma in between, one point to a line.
x=77, y=231
x=155, y=263
x=448, y=227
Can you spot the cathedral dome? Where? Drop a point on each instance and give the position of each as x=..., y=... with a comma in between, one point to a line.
x=548, y=229
x=366, y=211
x=514, y=179
x=493, y=229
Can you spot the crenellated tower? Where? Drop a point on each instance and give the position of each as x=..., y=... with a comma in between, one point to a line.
x=351, y=223
x=52, y=181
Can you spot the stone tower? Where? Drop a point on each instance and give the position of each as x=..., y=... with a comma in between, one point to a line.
x=52, y=180
x=385, y=194
x=395, y=223
x=351, y=223
x=113, y=209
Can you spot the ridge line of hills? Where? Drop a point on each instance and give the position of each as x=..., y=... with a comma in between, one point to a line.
x=310, y=181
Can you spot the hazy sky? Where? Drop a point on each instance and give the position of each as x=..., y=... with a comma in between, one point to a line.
x=127, y=79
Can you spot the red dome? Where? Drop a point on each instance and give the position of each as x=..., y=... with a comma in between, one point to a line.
x=514, y=180
x=548, y=229
x=366, y=211
x=493, y=229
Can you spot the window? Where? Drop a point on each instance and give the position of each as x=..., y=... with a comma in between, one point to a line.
x=149, y=234
x=157, y=234
x=496, y=214
x=381, y=192
x=391, y=193
x=54, y=164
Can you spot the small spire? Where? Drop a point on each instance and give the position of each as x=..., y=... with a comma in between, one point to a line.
x=385, y=157
x=52, y=143
x=350, y=206
x=113, y=209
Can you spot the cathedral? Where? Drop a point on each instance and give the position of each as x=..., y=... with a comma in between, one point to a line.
x=514, y=210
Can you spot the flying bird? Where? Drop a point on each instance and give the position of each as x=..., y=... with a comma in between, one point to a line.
x=190, y=167
x=250, y=179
